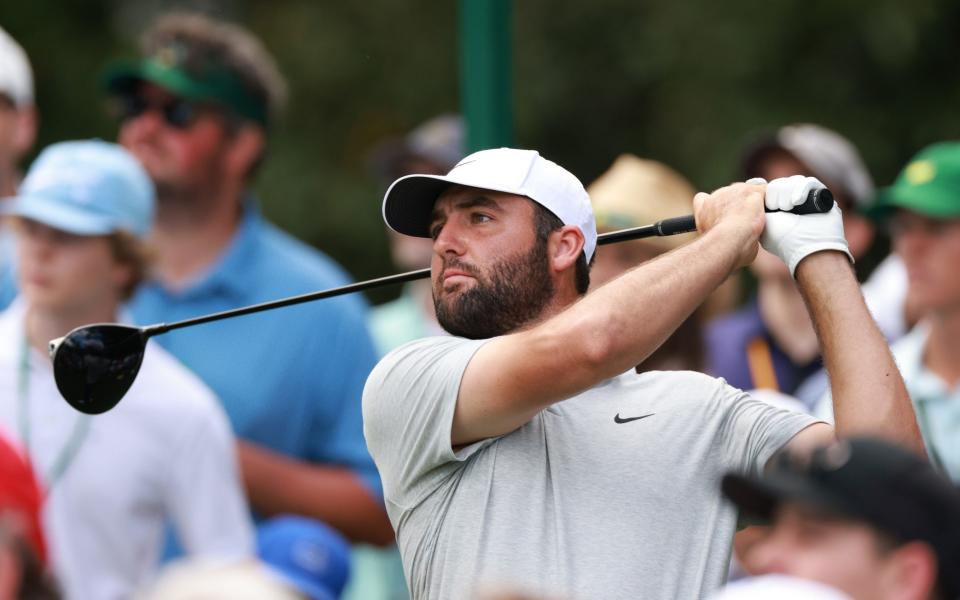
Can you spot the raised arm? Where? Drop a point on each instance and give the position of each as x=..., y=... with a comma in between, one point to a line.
x=869, y=396
x=610, y=330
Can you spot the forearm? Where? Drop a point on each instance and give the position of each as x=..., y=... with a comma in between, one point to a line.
x=625, y=321
x=607, y=332
x=277, y=484
x=869, y=395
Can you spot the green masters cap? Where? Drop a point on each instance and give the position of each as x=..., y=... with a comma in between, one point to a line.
x=929, y=184
x=171, y=67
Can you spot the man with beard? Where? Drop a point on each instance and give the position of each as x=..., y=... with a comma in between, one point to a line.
x=531, y=455
x=196, y=111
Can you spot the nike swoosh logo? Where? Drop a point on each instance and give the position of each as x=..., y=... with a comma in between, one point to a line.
x=618, y=419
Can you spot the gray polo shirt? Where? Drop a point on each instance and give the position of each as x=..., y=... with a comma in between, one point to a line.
x=613, y=493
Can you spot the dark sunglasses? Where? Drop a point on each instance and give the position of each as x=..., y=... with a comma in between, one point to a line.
x=177, y=113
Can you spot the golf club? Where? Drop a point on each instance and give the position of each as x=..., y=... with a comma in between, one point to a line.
x=95, y=365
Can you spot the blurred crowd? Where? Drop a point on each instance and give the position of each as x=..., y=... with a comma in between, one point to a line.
x=236, y=467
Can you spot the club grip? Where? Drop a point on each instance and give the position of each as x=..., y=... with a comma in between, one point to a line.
x=818, y=201
x=676, y=225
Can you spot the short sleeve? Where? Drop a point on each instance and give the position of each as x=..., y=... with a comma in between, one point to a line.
x=408, y=406
x=755, y=430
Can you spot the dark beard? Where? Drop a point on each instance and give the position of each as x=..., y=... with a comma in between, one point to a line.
x=183, y=207
x=515, y=293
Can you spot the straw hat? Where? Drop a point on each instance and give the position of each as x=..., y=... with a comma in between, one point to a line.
x=635, y=192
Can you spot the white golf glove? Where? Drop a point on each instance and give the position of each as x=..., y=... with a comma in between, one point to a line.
x=794, y=237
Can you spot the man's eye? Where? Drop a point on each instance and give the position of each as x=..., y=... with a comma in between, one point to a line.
x=480, y=218
x=435, y=231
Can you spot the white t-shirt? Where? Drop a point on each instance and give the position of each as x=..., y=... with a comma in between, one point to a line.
x=164, y=454
x=614, y=493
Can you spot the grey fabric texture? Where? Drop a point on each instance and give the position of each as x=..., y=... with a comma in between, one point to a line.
x=572, y=503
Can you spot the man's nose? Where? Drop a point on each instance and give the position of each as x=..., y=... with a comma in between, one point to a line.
x=449, y=240
x=143, y=124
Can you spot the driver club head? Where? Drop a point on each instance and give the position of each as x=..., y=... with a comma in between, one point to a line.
x=95, y=365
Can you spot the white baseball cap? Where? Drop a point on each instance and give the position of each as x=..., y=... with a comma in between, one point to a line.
x=16, y=79
x=408, y=204
x=782, y=587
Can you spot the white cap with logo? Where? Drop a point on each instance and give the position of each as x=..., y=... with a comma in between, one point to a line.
x=408, y=204
x=16, y=79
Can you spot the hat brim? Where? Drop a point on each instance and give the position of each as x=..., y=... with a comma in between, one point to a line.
x=920, y=201
x=123, y=77
x=55, y=214
x=408, y=203
x=759, y=498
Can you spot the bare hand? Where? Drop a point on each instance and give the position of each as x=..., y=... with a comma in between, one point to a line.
x=737, y=209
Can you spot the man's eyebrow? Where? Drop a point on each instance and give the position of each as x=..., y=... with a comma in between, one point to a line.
x=468, y=202
x=480, y=200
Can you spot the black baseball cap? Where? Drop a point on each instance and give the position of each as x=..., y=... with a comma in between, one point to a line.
x=869, y=480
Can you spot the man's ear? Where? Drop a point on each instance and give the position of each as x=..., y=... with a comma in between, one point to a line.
x=564, y=247
x=912, y=570
x=246, y=147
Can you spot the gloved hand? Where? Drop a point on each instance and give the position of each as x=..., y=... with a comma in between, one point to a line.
x=794, y=237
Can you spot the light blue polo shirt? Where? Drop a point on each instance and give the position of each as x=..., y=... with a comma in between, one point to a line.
x=290, y=379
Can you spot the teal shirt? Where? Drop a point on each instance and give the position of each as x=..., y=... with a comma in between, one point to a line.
x=395, y=323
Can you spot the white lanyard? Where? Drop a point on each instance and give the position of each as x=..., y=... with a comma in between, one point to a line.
x=81, y=425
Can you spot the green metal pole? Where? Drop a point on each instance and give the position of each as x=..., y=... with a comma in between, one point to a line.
x=486, y=72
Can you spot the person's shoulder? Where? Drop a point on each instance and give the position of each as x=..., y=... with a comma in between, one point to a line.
x=414, y=360
x=289, y=259
x=167, y=388
x=11, y=325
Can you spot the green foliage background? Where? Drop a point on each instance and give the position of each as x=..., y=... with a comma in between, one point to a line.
x=682, y=81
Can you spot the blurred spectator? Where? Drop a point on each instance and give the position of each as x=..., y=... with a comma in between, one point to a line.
x=196, y=110
x=22, y=575
x=18, y=131
x=771, y=342
x=22, y=548
x=309, y=556
x=167, y=451
x=18, y=117
x=433, y=148
x=631, y=193
x=864, y=516
x=923, y=212
x=205, y=580
x=21, y=497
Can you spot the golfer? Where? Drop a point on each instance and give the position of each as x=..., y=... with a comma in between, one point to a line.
x=525, y=451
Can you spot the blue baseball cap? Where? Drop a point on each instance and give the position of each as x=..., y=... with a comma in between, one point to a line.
x=87, y=187
x=307, y=554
